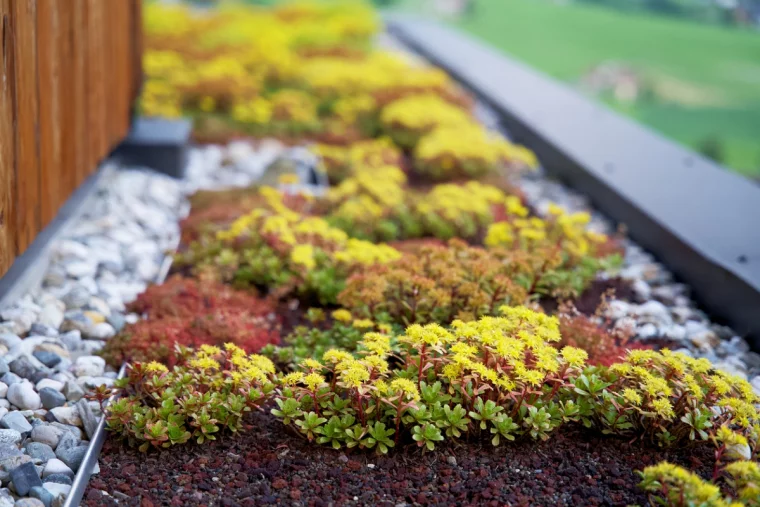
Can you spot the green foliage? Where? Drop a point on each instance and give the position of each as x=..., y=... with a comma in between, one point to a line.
x=206, y=393
x=501, y=378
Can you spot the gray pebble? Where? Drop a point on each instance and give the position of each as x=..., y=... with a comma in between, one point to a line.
x=24, y=478
x=9, y=451
x=73, y=391
x=47, y=358
x=47, y=434
x=89, y=421
x=39, y=452
x=10, y=378
x=117, y=321
x=23, y=395
x=76, y=298
x=67, y=441
x=57, y=490
x=39, y=497
x=16, y=421
x=51, y=398
x=76, y=320
x=100, y=331
x=71, y=456
x=60, y=478
x=40, y=329
x=56, y=468
x=24, y=368
x=10, y=437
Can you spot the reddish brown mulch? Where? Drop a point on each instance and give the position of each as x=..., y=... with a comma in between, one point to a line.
x=267, y=465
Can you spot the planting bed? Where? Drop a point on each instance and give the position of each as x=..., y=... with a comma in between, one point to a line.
x=442, y=325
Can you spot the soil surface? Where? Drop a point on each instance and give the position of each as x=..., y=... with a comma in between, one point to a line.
x=267, y=465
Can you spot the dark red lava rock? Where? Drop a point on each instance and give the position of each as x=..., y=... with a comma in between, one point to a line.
x=575, y=467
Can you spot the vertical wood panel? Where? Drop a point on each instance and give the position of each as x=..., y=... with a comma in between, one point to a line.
x=53, y=181
x=7, y=141
x=26, y=123
x=79, y=68
x=137, y=48
x=67, y=33
x=69, y=74
x=95, y=120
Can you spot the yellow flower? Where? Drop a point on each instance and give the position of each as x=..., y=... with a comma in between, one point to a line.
x=293, y=378
x=155, y=367
x=663, y=408
x=407, y=387
x=377, y=343
x=313, y=380
x=336, y=356
x=555, y=210
x=532, y=377
x=632, y=397
x=303, y=255
x=342, y=315
x=288, y=179
x=311, y=364
x=363, y=323
x=210, y=350
x=452, y=371
x=204, y=363
x=233, y=350
x=574, y=356
x=354, y=376
x=376, y=363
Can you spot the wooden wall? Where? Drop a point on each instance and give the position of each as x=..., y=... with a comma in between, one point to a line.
x=71, y=70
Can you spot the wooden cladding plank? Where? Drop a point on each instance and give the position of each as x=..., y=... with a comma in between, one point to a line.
x=124, y=62
x=96, y=82
x=82, y=146
x=66, y=35
x=27, y=166
x=137, y=49
x=7, y=141
x=53, y=179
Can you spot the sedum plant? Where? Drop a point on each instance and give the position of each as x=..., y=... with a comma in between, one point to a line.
x=498, y=377
x=435, y=284
x=669, y=398
x=207, y=392
x=408, y=119
x=342, y=162
x=467, y=151
x=502, y=377
x=669, y=484
x=342, y=331
x=192, y=313
x=283, y=251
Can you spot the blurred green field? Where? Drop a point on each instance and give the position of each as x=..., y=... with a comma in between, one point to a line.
x=707, y=78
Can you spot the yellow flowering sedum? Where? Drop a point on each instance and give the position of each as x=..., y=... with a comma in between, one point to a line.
x=464, y=150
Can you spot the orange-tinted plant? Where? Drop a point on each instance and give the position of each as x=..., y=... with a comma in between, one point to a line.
x=435, y=284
